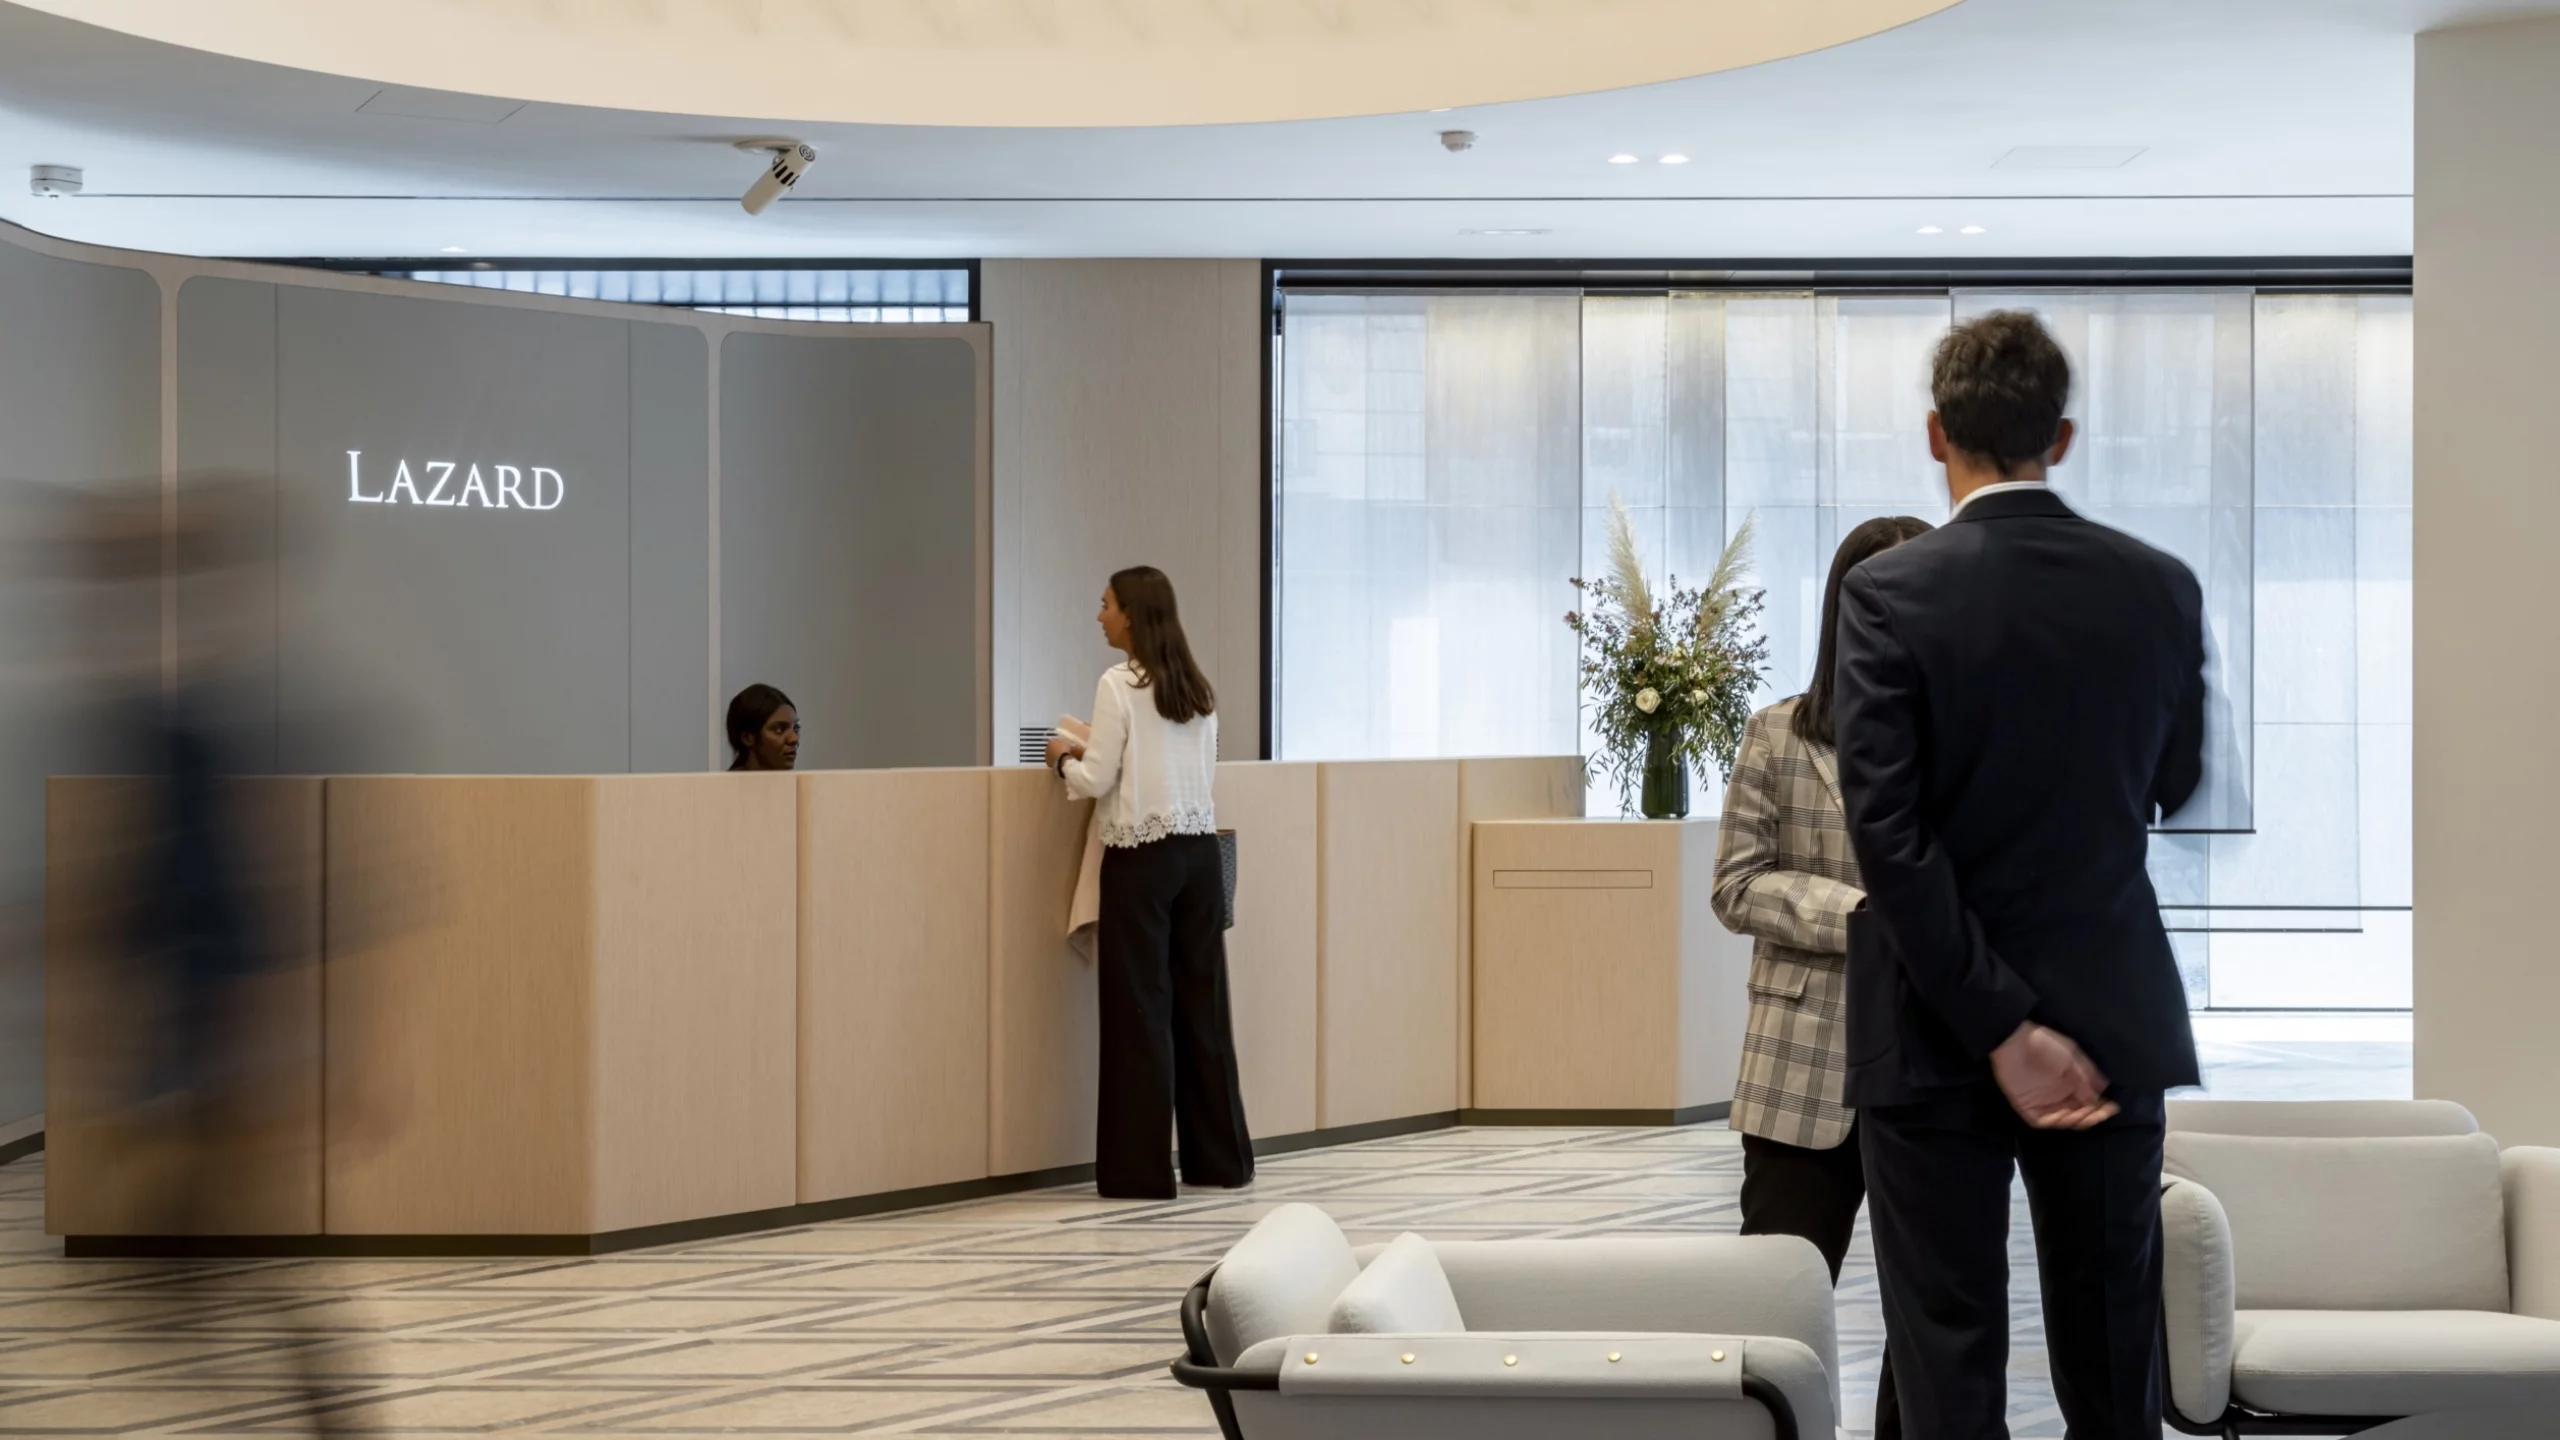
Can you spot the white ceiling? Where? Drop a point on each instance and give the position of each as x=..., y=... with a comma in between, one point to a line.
x=2270, y=127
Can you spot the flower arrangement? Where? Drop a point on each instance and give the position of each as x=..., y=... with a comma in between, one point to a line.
x=1670, y=680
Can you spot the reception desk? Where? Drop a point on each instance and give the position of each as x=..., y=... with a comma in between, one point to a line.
x=569, y=1014
x=1604, y=986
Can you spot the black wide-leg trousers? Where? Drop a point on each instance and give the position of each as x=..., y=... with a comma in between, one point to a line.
x=1938, y=1175
x=1815, y=1194
x=1168, y=1047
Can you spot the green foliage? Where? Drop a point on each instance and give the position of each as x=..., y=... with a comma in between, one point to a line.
x=1697, y=654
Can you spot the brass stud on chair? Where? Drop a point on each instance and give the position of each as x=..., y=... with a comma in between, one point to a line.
x=1510, y=1359
x=1613, y=1357
x=1715, y=1355
x=1311, y=1357
x=1408, y=1357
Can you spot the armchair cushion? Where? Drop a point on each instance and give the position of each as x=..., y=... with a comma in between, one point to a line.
x=2195, y=1297
x=2414, y=1223
x=2532, y=1175
x=1705, y=1285
x=1280, y=1279
x=2321, y=1119
x=2343, y=1362
x=1402, y=1292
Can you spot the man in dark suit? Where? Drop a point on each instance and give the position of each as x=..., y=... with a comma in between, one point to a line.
x=2019, y=694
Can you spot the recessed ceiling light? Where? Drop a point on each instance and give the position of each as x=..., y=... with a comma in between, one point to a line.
x=1931, y=230
x=1675, y=159
x=1506, y=232
x=1622, y=159
x=1972, y=230
x=455, y=250
x=1443, y=110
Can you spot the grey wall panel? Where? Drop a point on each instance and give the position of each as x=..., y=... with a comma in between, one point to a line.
x=670, y=547
x=79, y=415
x=848, y=541
x=226, y=615
x=478, y=636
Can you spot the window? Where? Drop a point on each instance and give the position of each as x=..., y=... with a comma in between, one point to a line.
x=894, y=296
x=1444, y=462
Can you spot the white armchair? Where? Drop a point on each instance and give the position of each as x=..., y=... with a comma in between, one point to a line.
x=2351, y=1279
x=1714, y=1338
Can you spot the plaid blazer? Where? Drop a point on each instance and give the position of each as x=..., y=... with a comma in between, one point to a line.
x=1786, y=877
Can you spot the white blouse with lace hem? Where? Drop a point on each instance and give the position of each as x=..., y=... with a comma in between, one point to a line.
x=1150, y=777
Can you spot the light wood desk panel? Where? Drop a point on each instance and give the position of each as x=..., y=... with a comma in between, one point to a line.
x=1042, y=1074
x=695, y=882
x=1388, y=994
x=893, y=965
x=116, y=1161
x=1602, y=981
x=1528, y=787
x=1271, y=953
x=461, y=1006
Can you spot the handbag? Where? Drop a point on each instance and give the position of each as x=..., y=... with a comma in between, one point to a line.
x=1227, y=879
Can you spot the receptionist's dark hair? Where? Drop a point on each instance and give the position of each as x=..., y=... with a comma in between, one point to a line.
x=747, y=714
x=1157, y=644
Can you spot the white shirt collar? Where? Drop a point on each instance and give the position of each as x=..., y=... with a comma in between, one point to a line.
x=2001, y=488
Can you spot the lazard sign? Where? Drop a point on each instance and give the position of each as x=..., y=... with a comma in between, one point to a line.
x=451, y=483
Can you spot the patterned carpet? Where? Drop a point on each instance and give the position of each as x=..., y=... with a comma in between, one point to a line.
x=1047, y=1314
x=1044, y=1314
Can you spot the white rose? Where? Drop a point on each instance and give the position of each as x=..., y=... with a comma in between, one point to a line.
x=1698, y=698
x=1647, y=701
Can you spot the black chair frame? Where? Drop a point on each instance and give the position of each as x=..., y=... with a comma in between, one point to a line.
x=1199, y=1369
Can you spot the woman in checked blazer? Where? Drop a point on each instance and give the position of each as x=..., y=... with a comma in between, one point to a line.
x=1785, y=876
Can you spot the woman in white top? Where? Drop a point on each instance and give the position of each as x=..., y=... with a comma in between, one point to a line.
x=1168, y=1052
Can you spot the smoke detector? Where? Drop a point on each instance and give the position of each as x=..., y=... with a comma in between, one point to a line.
x=53, y=181
x=1455, y=141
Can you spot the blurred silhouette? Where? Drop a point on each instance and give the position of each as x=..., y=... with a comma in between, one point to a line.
x=184, y=940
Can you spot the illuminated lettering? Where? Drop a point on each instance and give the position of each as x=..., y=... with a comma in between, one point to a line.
x=355, y=481
x=494, y=487
x=401, y=480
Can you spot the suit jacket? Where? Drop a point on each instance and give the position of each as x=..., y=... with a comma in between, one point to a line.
x=2020, y=692
x=1785, y=877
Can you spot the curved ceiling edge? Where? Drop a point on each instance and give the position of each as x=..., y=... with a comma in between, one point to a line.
x=1009, y=62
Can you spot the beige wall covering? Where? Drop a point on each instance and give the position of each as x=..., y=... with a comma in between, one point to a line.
x=1128, y=431
x=2488, y=679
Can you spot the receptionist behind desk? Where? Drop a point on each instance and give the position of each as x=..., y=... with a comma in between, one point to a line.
x=763, y=730
x=1168, y=1051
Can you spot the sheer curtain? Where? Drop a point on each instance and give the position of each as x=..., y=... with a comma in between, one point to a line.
x=2161, y=394
x=1427, y=520
x=1446, y=465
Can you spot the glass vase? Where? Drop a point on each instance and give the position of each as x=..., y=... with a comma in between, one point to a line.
x=1666, y=777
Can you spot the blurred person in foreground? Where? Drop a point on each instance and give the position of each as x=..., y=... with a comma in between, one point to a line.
x=188, y=907
x=2021, y=694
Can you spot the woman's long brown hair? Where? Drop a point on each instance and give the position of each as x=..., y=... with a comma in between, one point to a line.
x=1813, y=712
x=1157, y=644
